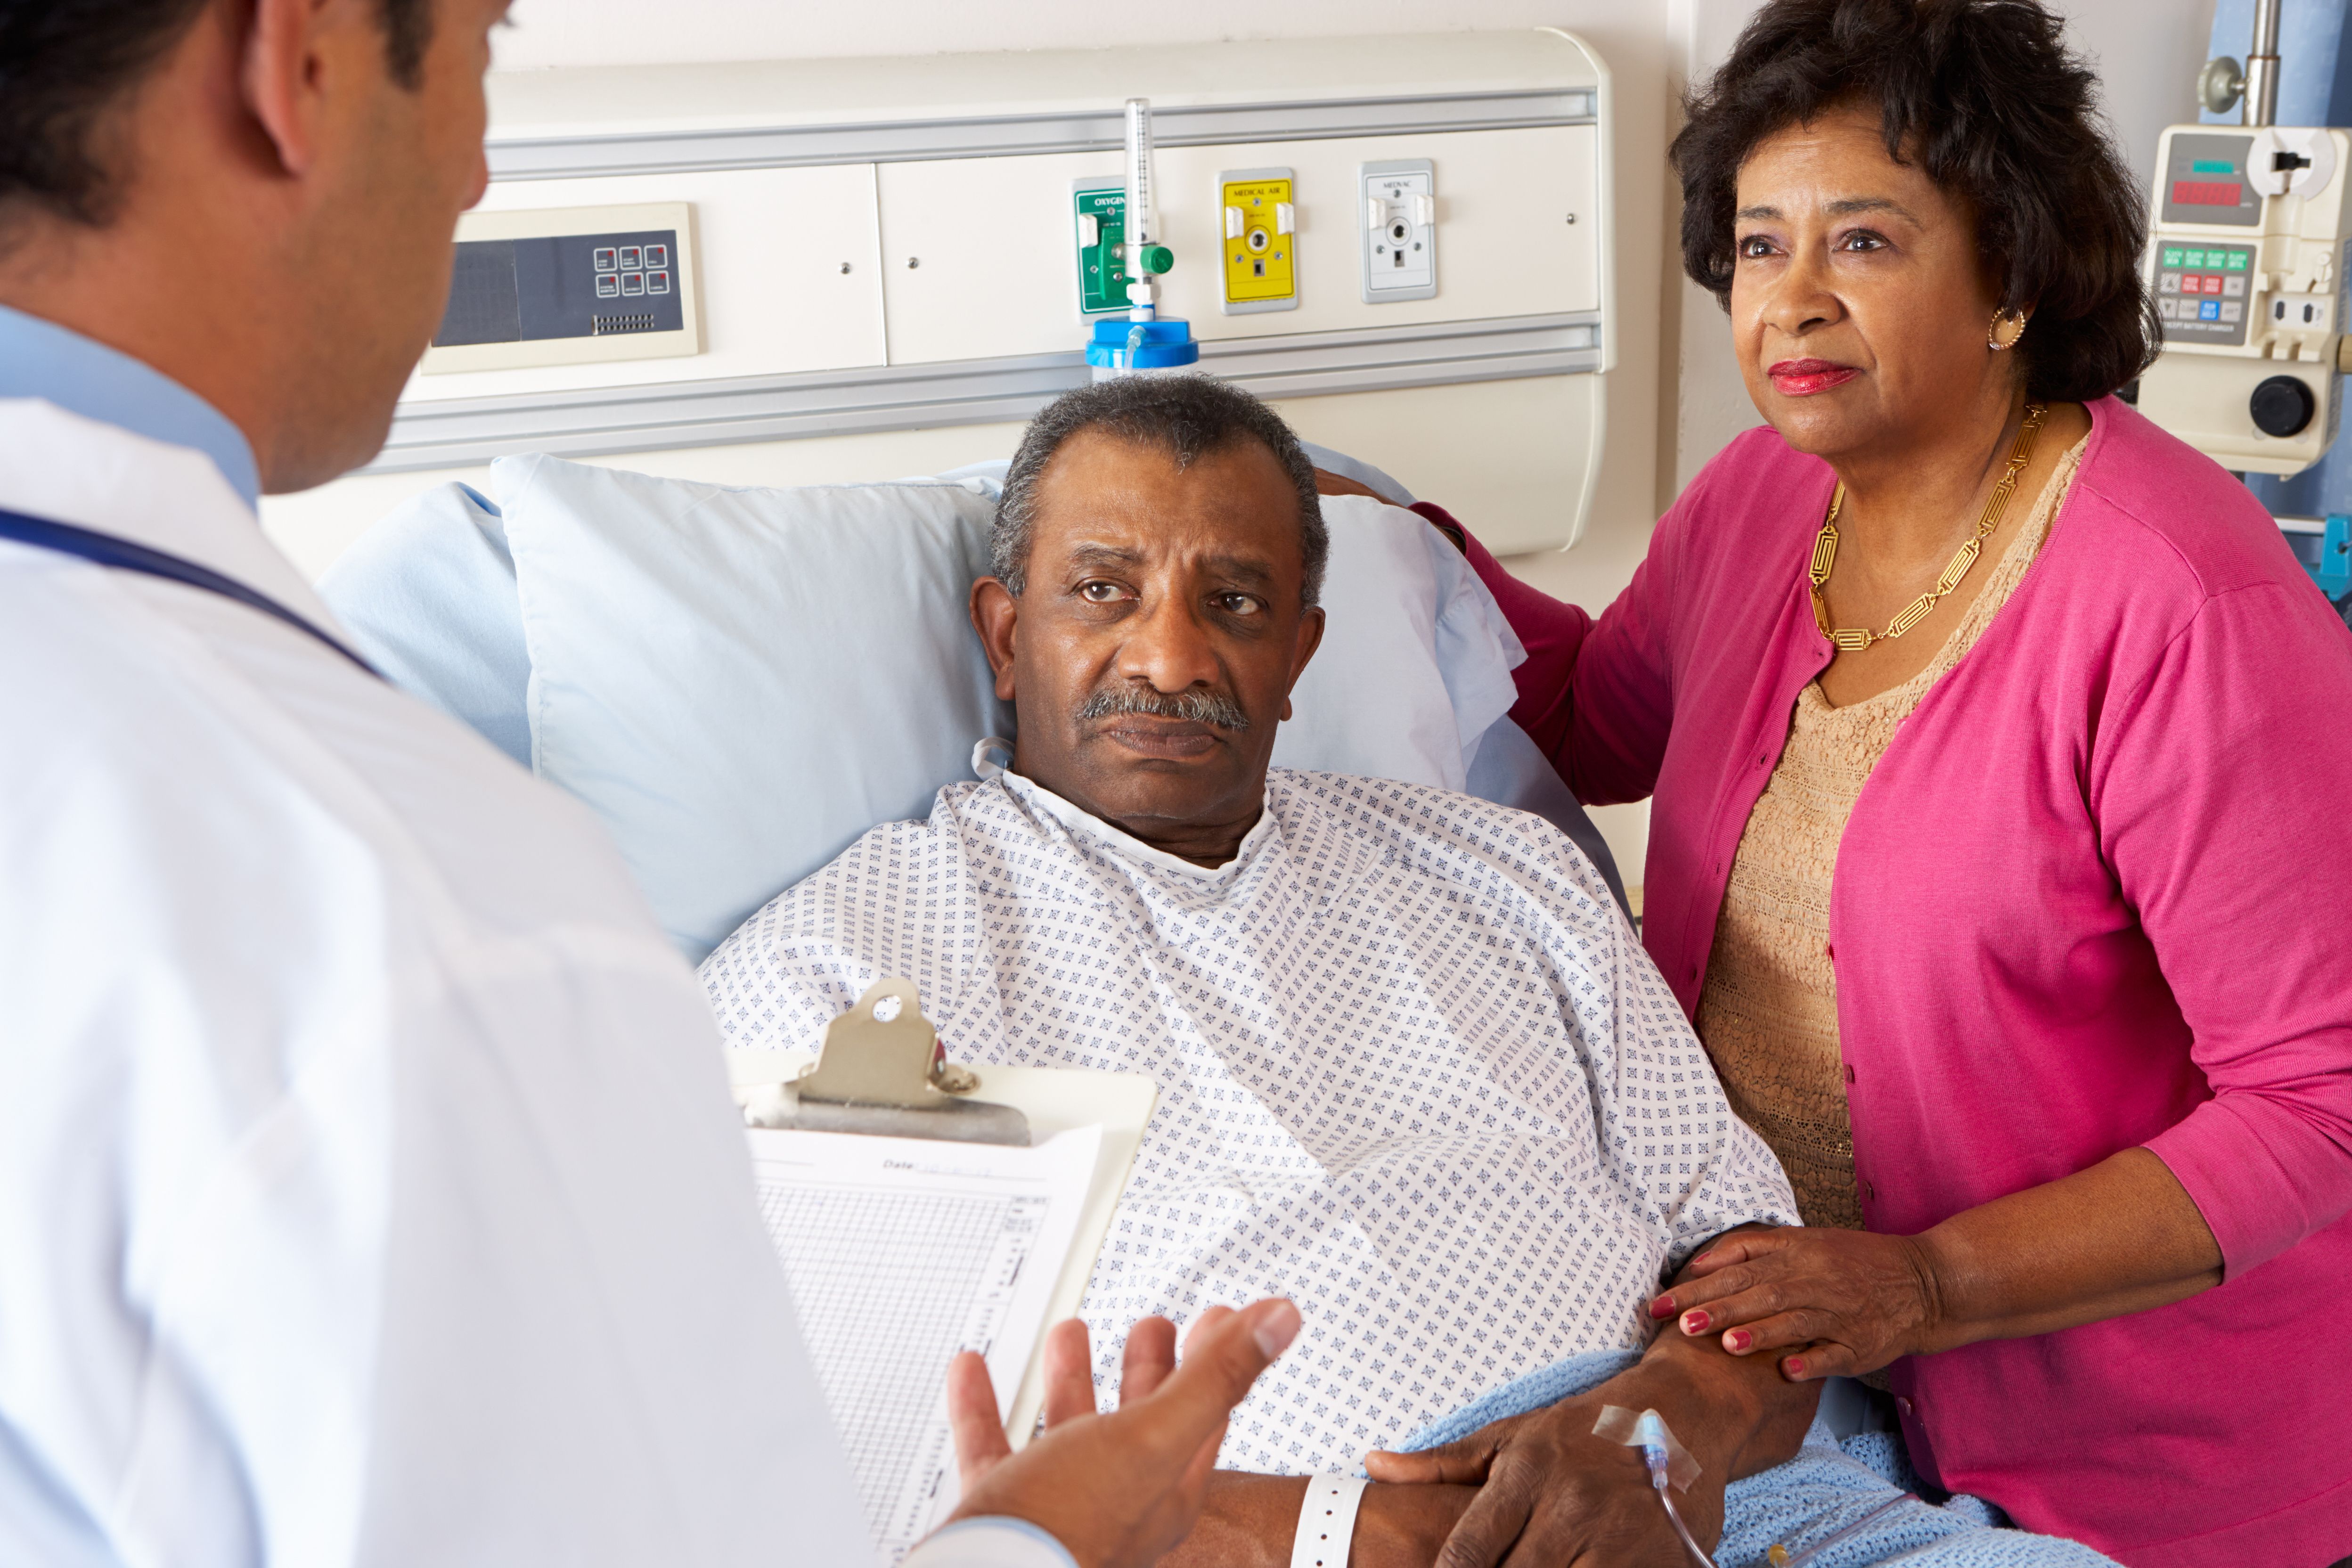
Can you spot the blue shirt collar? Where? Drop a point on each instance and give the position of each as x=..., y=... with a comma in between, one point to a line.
x=41, y=358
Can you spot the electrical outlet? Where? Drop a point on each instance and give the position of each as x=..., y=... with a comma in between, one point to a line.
x=1399, y=200
x=1099, y=206
x=1260, y=260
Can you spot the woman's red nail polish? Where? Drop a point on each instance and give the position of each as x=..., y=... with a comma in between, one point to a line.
x=1695, y=1321
x=1795, y=1366
x=1663, y=1307
x=1735, y=1340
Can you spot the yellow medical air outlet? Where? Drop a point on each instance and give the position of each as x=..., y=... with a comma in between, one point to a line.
x=1259, y=262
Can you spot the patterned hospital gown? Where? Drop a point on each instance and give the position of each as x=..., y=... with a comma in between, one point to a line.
x=1415, y=1074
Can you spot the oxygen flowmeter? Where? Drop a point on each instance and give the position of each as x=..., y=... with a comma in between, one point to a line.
x=2249, y=274
x=1131, y=257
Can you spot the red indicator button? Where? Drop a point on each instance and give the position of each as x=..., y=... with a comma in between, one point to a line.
x=2207, y=193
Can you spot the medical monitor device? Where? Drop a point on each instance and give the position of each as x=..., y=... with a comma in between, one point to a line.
x=570, y=286
x=2248, y=264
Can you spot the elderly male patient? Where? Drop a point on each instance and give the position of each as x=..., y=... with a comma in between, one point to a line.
x=1416, y=1073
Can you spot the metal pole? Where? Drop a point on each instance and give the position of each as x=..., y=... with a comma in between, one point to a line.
x=2263, y=66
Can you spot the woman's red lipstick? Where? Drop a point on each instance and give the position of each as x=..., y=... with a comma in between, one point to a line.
x=1804, y=378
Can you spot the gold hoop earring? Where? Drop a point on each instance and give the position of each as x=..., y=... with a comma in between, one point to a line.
x=1994, y=337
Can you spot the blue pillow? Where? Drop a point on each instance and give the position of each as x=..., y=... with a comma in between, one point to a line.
x=428, y=593
x=741, y=682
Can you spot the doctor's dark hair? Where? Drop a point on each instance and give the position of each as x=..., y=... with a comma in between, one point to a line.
x=1186, y=416
x=66, y=66
x=1984, y=96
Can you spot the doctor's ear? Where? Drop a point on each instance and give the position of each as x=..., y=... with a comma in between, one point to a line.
x=297, y=57
x=994, y=612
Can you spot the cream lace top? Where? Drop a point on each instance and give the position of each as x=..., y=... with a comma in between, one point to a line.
x=1768, y=1013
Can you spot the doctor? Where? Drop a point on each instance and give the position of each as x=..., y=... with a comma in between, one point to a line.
x=369, y=1192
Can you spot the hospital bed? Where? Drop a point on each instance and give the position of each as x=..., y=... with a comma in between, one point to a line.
x=740, y=682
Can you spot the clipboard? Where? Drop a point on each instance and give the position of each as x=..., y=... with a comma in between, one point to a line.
x=1055, y=1099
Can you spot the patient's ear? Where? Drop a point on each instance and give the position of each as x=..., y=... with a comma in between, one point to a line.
x=1310, y=637
x=993, y=611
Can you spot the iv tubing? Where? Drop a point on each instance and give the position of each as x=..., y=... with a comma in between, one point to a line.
x=1847, y=1533
x=1654, y=1456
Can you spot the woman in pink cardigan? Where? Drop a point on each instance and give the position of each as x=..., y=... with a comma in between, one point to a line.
x=2060, y=1059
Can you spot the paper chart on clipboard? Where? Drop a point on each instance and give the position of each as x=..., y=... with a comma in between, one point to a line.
x=899, y=1253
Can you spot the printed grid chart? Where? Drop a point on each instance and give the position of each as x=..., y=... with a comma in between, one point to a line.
x=887, y=1286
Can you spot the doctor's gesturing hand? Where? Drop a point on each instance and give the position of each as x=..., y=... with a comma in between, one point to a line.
x=1118, y=1490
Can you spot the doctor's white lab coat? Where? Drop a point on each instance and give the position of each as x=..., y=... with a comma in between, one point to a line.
x=369, y=1189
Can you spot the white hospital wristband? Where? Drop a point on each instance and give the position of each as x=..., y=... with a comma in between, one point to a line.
x=1326, y=1521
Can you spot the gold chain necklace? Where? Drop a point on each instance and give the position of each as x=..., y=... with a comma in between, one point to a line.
x=1854, y=639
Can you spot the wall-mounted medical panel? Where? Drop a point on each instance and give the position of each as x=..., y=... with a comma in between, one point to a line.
x=899, y=244
x=787, y=279
x=569, y=286
x=1519, y=226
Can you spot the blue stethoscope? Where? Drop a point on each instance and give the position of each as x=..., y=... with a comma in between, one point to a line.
x=106, y=550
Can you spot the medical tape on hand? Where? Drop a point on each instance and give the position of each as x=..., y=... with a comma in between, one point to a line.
x=1326, y=1521
x=1619, y=1425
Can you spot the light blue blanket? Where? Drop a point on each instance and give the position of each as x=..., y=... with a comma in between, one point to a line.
x=1826, y=1487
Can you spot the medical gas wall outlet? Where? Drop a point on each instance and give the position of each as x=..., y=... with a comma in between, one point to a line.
x=570, y=286
x=2248, y=267
x=1399, y=202
x=1099, y=207
x=1260, y=261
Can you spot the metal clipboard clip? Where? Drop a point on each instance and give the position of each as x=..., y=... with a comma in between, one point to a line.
x=882, y=1070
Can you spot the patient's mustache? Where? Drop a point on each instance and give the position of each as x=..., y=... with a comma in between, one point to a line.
x=1194, y=705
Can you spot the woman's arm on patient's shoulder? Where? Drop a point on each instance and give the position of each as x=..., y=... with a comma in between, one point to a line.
x=1594, y=693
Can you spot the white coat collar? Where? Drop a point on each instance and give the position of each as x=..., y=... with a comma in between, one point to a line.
x=66, y=467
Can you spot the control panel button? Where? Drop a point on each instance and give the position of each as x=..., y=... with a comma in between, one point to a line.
x=632, y=258
x=2282, y=406
x=2233, y=287
x=605, y=258
x=635, y=283
x=2207, y=309
x=608, y=285
x=2167, y=308
x=657, y=256
x=658, y=283
x=2169, y=282
x=2233, y=311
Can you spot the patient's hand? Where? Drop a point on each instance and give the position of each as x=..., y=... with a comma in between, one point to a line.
x=1118, y=1490
x=1552, y=1493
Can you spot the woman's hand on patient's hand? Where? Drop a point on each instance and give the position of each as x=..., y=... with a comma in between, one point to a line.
x=1119, y=1491
x=1824, y=1301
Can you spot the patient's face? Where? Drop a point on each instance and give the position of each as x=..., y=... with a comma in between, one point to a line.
x=1152, y=652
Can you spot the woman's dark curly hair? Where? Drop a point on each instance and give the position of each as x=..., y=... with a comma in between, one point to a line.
x=1983, y=96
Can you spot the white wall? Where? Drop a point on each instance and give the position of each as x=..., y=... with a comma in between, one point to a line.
x=1674, y=356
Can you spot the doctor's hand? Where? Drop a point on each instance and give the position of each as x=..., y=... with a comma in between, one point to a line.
x=1121, y=1489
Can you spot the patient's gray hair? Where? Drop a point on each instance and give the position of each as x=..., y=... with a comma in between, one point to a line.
x=1186, y=417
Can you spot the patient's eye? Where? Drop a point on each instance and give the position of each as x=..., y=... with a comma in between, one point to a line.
x=1101, y=593
x=1754, y=246
x=1238, y=604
